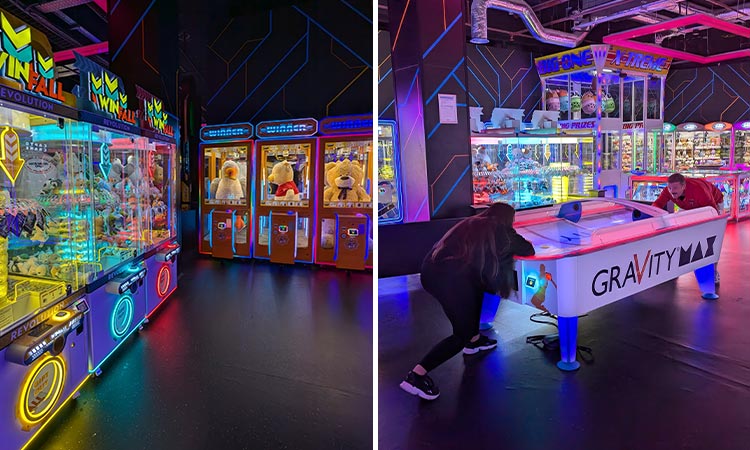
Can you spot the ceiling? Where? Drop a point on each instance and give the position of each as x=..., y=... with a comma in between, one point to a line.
x=68, y=24
x=602, y=17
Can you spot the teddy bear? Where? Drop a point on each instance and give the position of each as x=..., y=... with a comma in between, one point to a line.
x=158, y=175
x=282, y=175
x=115, y=173
x=228, y=186
x=345, y=182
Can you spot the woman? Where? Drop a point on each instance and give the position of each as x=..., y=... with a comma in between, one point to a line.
x=474, y=257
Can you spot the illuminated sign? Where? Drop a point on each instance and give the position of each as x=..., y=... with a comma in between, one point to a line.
x=578, y=124
x=287, y=128
x=10, y=154
x=743, y=125
x=690, y=126
x=227, y=132
x=346, y=125
x=570, y=61
x=152, y=113
x=102, y=92
x=718, y=126
x=668, y=127
x=623, y=59
x=632, y=125
x=26, y=58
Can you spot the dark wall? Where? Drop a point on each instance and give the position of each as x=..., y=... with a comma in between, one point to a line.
x=707, y=94
x=497, y=78
x=502, y=78
x=262, y=60
x=143, y=47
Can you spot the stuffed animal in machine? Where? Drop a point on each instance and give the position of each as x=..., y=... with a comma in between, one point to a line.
x=345, y=182
x=553, y=101
x=575, y=102
x=588, y=103
x=282, y=175
x=228, y=185
x=386, y=205
x=564, y=100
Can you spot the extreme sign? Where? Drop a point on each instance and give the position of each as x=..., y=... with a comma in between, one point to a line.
x=631, y=61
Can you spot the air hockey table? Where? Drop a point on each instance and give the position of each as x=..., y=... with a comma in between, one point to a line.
x=593, y=252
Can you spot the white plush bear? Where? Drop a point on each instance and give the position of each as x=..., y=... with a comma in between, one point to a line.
x=228, y=185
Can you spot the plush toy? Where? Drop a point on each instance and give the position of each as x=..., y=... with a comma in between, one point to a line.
x=553, y=101
x=609, y=104
x=588, y=103
x=158, y=176
x=564, y=100
x=51, y=187
x=115, y=173
x=345, y=182
x=227, y=186
x=282, y=175
x=575, y=102
x=386, y=206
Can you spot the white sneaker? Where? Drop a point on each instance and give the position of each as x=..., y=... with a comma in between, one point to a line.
x=717, y=278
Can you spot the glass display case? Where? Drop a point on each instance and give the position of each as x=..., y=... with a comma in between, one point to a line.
x=345, y=202
x=121, y=187
x=226, y=225
x=647, y=188
x=527, y=171
x=389, y=174
x=45, y=232
x=160, y=221
x=666, y=161
x=702, y=147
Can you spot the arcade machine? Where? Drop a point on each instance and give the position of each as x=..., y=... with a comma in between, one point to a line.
x=646, y=188
x=389, y=174
x=159, y=221
x=226, y=222
x=285, y=180
x=699, y=147
x=605, y=92
x=594, y=252
x=344, y=200
x=116, y=293
x=43, y=239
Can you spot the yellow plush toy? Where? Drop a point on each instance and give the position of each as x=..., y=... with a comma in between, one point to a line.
x=282, y=175
x=345, y=182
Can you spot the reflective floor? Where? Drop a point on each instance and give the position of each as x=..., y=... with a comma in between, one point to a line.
x=670, y=371
x=242, y=356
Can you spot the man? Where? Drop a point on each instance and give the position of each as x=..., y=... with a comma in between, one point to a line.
x=691, y=193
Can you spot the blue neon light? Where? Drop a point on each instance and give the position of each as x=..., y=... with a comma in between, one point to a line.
x=213, y=133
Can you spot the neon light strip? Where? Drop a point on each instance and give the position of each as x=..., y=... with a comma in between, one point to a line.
x=54, y=414
x=624, y=39
x=86, y=50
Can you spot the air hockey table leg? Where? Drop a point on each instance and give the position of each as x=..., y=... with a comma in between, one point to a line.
x=568, y=343
x=705, y=277
x=490, y=304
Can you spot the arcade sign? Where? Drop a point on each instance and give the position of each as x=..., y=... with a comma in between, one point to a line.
x=287, y=128
x=668, y=127
x=743, y=125
x=346, y=125
x=719, y=127
x=26, y=59
x=565, y=62
x=152, y=114
x=102, y=92
x=690, y=126
x=585, y=124
x=632, y=61
x=227, y=132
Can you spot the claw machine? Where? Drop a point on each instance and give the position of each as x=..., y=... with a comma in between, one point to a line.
x=118, y=184
x=614, y=96
x=390, y=202
x=285, y=181
x=226, y=195
x=44, y=238
x=159, y=221
x=344, y=199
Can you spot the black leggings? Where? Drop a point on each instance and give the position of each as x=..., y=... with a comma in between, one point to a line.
x=461, y=299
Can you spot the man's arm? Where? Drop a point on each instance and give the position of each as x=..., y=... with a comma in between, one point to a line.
x=663, y=199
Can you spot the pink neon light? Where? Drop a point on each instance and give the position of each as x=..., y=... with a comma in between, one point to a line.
x=623, y=39
x=86, y=50
x=102, y=4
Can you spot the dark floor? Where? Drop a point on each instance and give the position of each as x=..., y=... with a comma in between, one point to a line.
x=671, y=371
x=242, y=356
